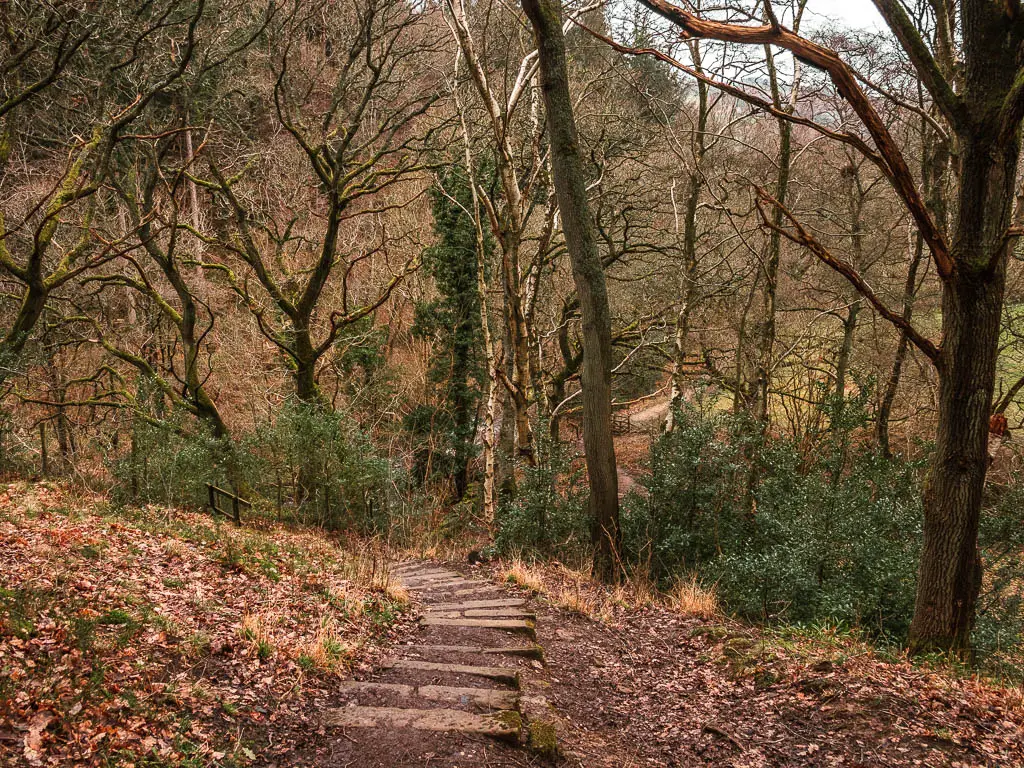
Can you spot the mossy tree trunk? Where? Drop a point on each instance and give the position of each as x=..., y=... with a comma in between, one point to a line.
x=588, y=275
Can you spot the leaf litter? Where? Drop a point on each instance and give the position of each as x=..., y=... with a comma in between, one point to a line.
x=162, y=637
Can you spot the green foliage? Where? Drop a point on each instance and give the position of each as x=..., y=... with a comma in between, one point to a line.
x=831, y=532
x=169, y=465
x=318, y=462
x=999, y=633
x=445, y=427
x=547, y=514
x=115, y=616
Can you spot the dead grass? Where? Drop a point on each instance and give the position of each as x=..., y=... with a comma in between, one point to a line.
x=688, y=596
x=328, y=649
x=527, y=576
x=255, y=630
x=397, y=592
x=574, y=589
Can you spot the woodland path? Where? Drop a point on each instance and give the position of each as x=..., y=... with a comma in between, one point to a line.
x=459, y=692
x=651, y=417
x=649, y=687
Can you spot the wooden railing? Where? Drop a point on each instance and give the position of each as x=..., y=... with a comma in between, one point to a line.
x=622, y=423
x=235, y=513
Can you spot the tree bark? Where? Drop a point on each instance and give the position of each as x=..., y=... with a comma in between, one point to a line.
x=949, y=577
x=588, y=275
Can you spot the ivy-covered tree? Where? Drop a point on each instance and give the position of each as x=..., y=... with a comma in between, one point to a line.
x=452, y=323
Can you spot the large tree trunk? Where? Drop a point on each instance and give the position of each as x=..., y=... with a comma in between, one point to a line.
x=520, y=384
x=949, y=578
x=11, y=346
x=588, y=274
x=304, y=364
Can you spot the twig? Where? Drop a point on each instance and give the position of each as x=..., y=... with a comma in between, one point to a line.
x=714, y=729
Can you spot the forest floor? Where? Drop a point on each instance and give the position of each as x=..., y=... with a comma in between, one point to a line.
x=158, y=638
x=653, y=685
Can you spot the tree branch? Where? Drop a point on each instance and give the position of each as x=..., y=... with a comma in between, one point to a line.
x=800, y=236
x=845, y=81
x=927, y=69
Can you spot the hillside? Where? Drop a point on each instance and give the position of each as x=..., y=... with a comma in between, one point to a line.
x=156, y=637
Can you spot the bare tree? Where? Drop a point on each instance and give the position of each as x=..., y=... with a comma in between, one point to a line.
x=48, y=235
x=509, y=216
x=983, y=102
x=360, y=117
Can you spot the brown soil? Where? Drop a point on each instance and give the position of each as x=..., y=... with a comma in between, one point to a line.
x=659, y=689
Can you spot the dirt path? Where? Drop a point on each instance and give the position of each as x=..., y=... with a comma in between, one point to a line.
x=650, y=418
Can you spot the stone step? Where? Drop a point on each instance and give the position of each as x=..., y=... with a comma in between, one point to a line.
x=428, y=577
x=513, y=602
x=502, y=674
x=474, y=590
x=411, y=565
x=524, y=626
x=526, y=651
x=511, y=612
x=494, y=698
x=476, y=613
x=415, y=573
x=502, y=725
x=444, y=583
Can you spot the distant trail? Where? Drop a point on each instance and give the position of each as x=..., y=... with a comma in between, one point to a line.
x=651, y=416
x=649, y=420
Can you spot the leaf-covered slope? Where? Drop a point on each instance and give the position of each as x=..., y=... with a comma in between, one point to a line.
x=157, y=637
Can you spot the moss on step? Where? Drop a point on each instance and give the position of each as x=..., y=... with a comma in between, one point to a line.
x=532, y=652
x=541, y=725
x=542, y=738
x=509, y=718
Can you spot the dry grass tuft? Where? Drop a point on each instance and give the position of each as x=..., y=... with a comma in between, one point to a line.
x=688, y=596
x=254, y=630
x=397, y=592
x=524, y=574
x=574, y=589
x=327, y=649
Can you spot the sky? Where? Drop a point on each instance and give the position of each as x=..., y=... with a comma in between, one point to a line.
x=851, y=13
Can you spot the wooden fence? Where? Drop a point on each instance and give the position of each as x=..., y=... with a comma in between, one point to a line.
x=235, y=512
x=622, y=423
